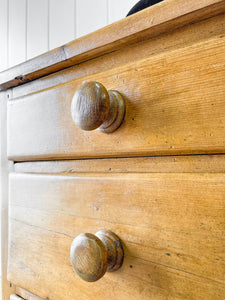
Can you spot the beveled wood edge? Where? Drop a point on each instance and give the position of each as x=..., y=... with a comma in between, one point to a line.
x=169, y=41
x=160, y=164
x=5, y=167
x=165, y=16
x=26, y=295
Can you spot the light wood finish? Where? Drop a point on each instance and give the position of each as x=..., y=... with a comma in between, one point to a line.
x=158, y=164
x=168, y=41
x=164, y=17
x=94, y=254
x=27, y=295
x=177, y=109
x=167, y=210
x=94, y=107
x=172, y=228
x=6, y=287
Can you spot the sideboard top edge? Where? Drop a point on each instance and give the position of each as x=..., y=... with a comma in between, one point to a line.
x=165, y=16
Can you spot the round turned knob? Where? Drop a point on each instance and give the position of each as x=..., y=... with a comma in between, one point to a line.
x=95, y=107
x=92, y=255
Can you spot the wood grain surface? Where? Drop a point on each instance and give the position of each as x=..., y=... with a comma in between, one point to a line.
x=168, y=210
x=171, y=225
x=176, y=39
x=157, y=164
x=175, y=105
x=148, y=23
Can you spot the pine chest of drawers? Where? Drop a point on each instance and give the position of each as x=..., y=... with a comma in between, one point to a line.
x=117, y=139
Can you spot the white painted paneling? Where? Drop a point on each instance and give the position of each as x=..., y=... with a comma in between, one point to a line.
x=3, y=34
x=61, y=22
x=37, y=27
x=118, y=9
x=33, y=27
x=17, y=32
x=90, y=16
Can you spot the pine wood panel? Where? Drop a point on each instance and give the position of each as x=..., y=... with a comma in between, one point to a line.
x=162, y=164
x=175, y=105
x=172, y=227
x=146, y=24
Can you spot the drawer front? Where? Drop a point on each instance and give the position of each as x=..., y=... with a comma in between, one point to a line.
x=171, y=226
x=175, y=104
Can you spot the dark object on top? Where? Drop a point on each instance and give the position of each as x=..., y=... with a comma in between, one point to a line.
x=142, y=5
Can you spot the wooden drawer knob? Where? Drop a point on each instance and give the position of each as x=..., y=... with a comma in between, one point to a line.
x=92, y=255
x=95, y=107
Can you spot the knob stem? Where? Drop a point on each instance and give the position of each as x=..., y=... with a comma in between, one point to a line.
x=114, y=249
x=117, y=112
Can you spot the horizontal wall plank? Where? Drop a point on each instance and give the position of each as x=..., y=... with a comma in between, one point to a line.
x=146, y=24
x=172, y=227
x=175, y=105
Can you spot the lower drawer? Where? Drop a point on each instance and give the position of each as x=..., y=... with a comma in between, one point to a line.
x=171, y=225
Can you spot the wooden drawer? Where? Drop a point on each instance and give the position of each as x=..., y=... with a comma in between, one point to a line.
x=175, y=104
x=167, y=207
x=171, y=225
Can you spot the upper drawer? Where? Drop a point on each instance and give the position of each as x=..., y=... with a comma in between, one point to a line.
x=175, y=104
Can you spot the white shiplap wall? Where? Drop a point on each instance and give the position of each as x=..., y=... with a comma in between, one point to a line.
x=31, y=27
